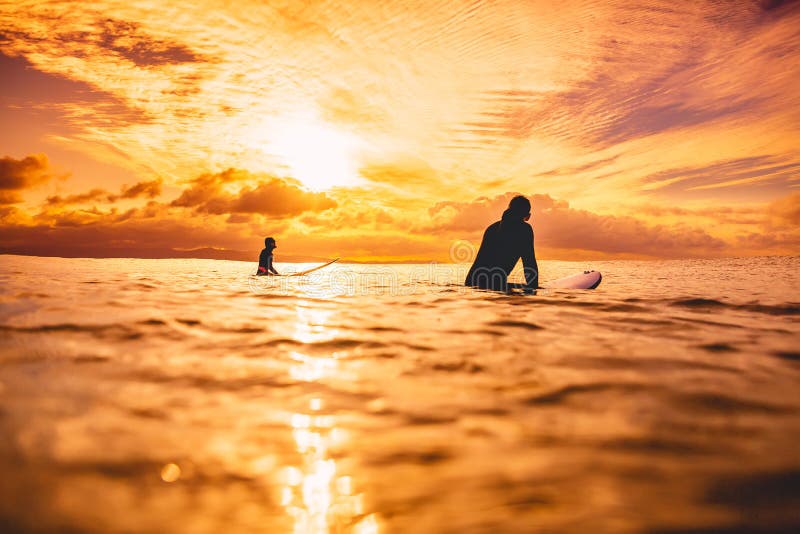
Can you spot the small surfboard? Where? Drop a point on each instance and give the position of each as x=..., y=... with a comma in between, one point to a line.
x=584, y=280
x=318, y=267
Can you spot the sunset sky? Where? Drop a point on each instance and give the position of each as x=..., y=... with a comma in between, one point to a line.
x=387, y=131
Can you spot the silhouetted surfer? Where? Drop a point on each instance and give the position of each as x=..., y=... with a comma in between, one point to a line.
x=505, y=242
x=265, y=265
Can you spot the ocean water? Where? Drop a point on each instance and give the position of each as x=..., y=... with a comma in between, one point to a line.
x=189, y=396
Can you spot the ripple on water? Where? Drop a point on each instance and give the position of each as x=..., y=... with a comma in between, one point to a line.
x=116, y=331
x=786, y=355
x=507, y=323
x=565, y=393
x=645, y=365
x=718, y=347
x=714, y=402
x=702, y=304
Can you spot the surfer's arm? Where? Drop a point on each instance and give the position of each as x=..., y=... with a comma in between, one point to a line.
x=529, y=265
x=271, y=266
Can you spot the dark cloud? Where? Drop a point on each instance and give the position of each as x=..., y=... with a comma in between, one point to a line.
x=558, y=226
x=80, y=198
x=129, y=41
x=149, y=189
x=19, y=174
x=271, y=196
x=132, y=238
x=152, y=231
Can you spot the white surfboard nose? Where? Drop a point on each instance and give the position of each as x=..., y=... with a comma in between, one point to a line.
x=584, y=280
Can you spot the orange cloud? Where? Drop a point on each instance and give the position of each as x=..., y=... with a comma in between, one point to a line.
x=149, y=189
x=785, y=211
x=19, y=174
x=351, y=215
x=272, y=196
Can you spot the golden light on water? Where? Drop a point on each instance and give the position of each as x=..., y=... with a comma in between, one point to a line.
x=311, y=369
x=313, y=324
x=315, y=494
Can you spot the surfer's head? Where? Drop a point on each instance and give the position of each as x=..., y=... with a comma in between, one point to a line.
x=269, y=243
x=518, y=208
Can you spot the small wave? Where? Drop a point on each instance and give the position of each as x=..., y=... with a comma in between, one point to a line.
x=462, y=366
x=645, y=365
x=698, y=303
x=516, y=324
x=565, y=393
x=721, y=403
x=421, y=348
x=383, y=329
x=718, y=347
x=787, y=355
x=116, y=330
x=627, y=308
x=153, y=322
x=659, y=445
x=242, y=330
x=424, y=419
x=712, y=304
x=210, y=383
x=429, y=457
x=90, y=358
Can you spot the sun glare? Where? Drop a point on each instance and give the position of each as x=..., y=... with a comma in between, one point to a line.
x=315, y=153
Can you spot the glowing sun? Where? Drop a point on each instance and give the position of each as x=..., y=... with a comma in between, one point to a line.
x=316, y=154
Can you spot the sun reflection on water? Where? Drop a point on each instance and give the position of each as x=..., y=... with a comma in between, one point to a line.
x=315, y=494
x=311, y=369
x=313, y=325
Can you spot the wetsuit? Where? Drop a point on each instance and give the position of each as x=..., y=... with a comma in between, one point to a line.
x=265, y=263
x=504, y=242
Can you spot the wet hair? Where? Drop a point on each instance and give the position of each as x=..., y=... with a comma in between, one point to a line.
x=518, y=208
x=268, y=240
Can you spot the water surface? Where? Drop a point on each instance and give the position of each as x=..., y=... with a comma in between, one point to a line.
x=189, y=396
